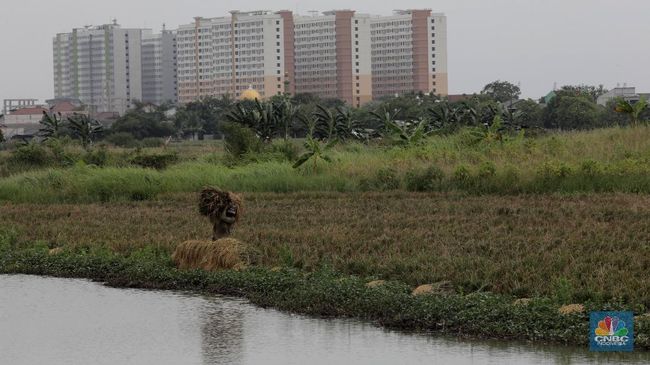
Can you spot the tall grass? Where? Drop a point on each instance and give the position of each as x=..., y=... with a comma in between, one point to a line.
x=607, y=160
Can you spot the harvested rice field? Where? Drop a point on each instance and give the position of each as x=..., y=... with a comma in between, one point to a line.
x=579, y=247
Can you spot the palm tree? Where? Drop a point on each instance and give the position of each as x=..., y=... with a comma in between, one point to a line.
x=85, y=128
x=634, y=110
x=52, y=125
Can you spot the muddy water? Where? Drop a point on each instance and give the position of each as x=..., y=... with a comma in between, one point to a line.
x=60, y=321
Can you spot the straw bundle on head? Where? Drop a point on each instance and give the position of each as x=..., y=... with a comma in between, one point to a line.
x=223, y=254
x=223, y=208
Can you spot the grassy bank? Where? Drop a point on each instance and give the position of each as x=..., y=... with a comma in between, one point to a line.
x=576, y=248
x=607, y=160
x=324, y=293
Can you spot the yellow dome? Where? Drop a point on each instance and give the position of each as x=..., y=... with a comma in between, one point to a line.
x=250, y=94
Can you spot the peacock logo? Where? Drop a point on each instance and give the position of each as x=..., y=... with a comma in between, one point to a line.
x=611, y=326
x=611, y=331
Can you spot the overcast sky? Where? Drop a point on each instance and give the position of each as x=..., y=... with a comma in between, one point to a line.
x=532, y=42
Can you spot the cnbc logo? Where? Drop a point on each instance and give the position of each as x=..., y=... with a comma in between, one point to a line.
x=611, y=331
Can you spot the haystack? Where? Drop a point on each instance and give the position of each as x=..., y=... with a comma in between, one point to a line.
x=222, y=254
x=571, y=309
x=442, y=287
x=213, y=202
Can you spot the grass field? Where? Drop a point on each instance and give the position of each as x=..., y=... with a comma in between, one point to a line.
x=582, y=247
x=607, y=160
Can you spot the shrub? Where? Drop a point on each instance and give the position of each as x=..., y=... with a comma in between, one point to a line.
x=240, y=140
x=462, y=174
x=591, y=168
x=122, y=139
x=155, y=161
x=554, y=170
x=385, y=179
x=30, y=154
x=97, y=157
x=152, y=142
x=487, y=170
x=428, y=179
x=60, y=156
x=286, y=149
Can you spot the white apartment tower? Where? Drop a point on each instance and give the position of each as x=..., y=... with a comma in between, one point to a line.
x=409, y=53
x=227, y=55
x=101, y=66
x=159, y=67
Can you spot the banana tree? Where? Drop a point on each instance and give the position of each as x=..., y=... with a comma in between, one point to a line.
x=316, y=151
x=325, y=123
x=407, y=134
x=85, y=129
x=634, y=110
x=346, y=125
x=51, y=125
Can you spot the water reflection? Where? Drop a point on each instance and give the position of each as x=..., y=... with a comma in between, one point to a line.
x=58, y=321
x=222, y=332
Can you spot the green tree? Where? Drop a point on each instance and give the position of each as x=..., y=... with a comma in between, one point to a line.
x=144, y=122
x=530, y=113
x=325, y=123
x=590, y=91
x=501, y=91
x=571, y=112
x=316, y=151
x=258, y=116
x=204, y=114
x=52, y=125
x=633, y=110
x=86, y=129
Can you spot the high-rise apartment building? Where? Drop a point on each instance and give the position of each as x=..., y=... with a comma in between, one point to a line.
x=101, y=66
x=336, y=54
x=228, y=55
x=108, y=68
x=159, y=67
x=332, y=56
x=409, y=53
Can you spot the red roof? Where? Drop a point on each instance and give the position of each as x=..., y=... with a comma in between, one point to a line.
x=37, y=110
x=64, y=107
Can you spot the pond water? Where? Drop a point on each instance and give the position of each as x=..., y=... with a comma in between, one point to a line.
x=63, y=321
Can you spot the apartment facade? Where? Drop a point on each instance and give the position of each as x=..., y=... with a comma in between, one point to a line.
x=332, y=56
x=101, y=66
x=159, y=84
x=336, y=54
x=409, y=53
x=108, y=68
x=228, y=55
